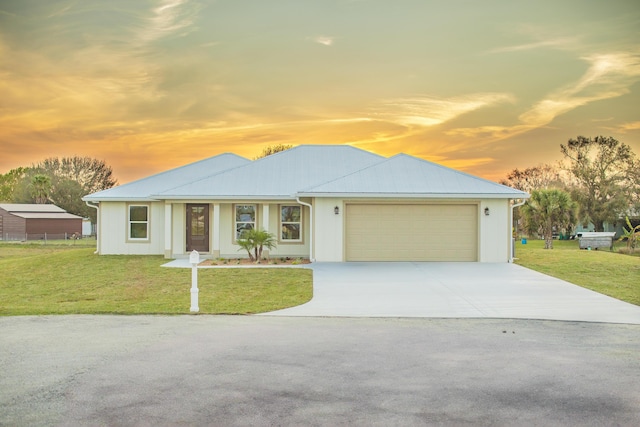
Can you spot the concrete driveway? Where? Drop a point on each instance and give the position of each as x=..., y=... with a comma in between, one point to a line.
x=453, y=290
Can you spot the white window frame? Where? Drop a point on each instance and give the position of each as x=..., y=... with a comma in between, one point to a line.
x=130, y=222
x=236, y=222
x=281, y=238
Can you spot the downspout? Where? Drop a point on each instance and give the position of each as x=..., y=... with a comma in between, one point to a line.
x=96, y=207
x=311, y=258
x=511, y=228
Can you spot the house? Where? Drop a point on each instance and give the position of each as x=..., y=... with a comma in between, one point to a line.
x=329, y=203
x=37, y=221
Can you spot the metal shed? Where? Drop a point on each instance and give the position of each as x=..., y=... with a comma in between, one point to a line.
x=37, y=221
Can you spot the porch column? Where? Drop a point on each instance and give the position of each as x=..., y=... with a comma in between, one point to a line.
x=216, y=231
x=265, y=225
x=168, y=208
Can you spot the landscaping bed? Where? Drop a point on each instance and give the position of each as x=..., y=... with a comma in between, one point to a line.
x=247, y=261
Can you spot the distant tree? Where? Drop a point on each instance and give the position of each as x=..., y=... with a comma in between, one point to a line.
x=39, y=188
x=603, y=169
x=535, y=178
x=71, y=178
x=543, y=176
x=8, y=183
x=92, y=174
x=549, y=210
x=273, y=149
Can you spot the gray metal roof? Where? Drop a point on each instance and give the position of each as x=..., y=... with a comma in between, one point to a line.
x=279, y=175
x=143, y=188
x=45, y=215
x=30, y=207
x=311, y=171
x=404, y=175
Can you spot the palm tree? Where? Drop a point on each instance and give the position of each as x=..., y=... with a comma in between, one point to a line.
x=263, y=239
x=547, y=210
x=40, y=187
x=254, y=241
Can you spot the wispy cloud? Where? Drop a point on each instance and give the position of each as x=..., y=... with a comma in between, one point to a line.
x=168, y=18
x=560, y=42
x=608, y=76
x=625, y=127
x=324, y=40
x=539, y=37
x=429, y=111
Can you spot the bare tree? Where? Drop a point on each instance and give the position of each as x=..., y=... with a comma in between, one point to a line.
x=273, y=149
x=539, y=177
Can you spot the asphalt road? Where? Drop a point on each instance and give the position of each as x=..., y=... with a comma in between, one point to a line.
x=224, y=370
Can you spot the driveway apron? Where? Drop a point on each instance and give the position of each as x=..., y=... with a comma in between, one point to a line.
x=453, y=290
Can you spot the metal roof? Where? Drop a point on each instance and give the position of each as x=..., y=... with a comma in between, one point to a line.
x=404, y=175
x=143, y=188
x=311, y=171
x=45, y=215
x=279, y=175
x=30, y=207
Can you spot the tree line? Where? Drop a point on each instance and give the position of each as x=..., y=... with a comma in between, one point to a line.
x=597, y=181
x=61, y=181
x=64, y=181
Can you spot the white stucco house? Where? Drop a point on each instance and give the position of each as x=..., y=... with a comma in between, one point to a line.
x=329, y=203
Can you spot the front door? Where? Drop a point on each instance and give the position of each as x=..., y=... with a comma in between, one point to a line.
x=197, y=228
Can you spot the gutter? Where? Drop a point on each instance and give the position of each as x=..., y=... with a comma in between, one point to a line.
x=311, y=258
x=96, y=207
x=512, y=243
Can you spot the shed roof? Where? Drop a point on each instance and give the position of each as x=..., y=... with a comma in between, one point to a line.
x=404, y=175
x=143, y=188
x=279, y=175
x=30, y=207
x=46, y=215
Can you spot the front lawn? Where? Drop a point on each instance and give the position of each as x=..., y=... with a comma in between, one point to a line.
x=62, y=279
x=609, y=273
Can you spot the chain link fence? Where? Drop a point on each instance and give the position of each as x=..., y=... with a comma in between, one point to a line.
x=44, y=237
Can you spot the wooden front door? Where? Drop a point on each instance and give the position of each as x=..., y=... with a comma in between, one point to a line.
x=197, y=228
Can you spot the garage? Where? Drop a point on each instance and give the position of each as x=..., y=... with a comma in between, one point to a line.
x=411, y=232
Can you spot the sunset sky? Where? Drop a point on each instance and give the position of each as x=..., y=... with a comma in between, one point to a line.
x=482, y=86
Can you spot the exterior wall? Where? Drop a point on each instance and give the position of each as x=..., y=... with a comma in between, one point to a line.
x=113, y=235
x=495, y=234
x=179, y=227
x=329, y=230
x=289, y=249
x=57, y=227
x=493, y=239
x=12, y=226
x=228, y=247
x=225, y=233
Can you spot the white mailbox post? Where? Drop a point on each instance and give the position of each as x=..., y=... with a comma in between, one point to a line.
x=194, y=259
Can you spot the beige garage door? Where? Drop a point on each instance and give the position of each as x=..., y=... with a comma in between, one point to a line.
x=378, y=232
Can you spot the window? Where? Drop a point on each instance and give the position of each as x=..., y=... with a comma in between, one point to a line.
x=291, y=223
x=245, y=219
x=138, y=222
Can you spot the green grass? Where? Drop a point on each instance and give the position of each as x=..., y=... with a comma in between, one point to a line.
x=63, y=279
x=609, y=273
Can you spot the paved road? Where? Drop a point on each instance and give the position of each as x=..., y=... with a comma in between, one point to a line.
x=225, y=370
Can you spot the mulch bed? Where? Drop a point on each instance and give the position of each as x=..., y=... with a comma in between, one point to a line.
x=246, y=261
